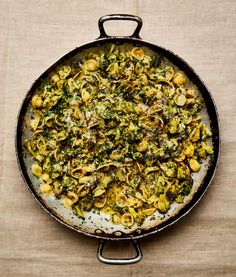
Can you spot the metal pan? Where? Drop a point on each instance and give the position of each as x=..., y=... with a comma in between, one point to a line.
x=95, y=225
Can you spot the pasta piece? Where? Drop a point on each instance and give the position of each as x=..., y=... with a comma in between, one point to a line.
x=73, y=196
x=189, y=149
x=195, y=134
x=46, y=189
x=37, y=102
x=67, y=202
x=34, y=123
x=64, y=71
x=137, y=53
x=127, y=220
x=91, y=65
x=46, y=178
x=100, y=201
x=179, y=79
x=37, y=169
x=98, y=192
x=194, y=165
x=116, y=219
x=208, y=148
x=183, y=172
x=180, y=158
x=148, y=212
x=85, y=96
x=88, y=168
x=55, y=78
x=180, y=100
x=79, y=212
x=162, y=204
x=143, y=145
x=169, y=73
x=121, y=200
x=49, y=120
x=82, y=191
x=57, y=188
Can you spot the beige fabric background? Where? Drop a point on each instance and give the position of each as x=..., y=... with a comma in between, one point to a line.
x=33, y=35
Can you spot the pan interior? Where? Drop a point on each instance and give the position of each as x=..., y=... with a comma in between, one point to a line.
x=94, y=221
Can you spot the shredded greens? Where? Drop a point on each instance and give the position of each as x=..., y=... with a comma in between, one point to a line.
x=119, y=132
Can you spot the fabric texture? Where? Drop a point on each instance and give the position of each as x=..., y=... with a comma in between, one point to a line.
x=35, y=34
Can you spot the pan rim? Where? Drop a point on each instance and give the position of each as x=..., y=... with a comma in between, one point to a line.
x=197, y=195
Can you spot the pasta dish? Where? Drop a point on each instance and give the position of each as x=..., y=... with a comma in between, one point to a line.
x=118, y=131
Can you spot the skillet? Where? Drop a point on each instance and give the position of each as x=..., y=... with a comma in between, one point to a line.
x=95, y=226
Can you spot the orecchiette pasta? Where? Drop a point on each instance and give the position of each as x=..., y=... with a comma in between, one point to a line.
x=119, y=131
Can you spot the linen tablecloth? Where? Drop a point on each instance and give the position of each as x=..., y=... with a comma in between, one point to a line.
x=33, y=35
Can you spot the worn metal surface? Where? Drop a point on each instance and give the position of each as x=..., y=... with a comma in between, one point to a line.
x=97, y=225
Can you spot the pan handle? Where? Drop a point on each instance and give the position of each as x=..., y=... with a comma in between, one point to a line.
x=130, y=17
x=105, y=260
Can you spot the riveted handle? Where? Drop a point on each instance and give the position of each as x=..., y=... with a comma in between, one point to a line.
x=127, y=261
x=129, y=17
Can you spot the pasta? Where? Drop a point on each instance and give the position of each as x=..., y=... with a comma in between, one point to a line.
x=119, y=131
